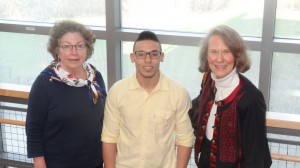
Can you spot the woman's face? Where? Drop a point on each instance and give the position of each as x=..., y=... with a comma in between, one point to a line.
x=220, y=59
x=72, y=52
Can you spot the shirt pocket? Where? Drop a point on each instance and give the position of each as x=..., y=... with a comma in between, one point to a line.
x=163, y=121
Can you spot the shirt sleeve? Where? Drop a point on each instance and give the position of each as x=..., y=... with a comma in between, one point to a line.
x=183, y=125
x=110, y=131
x=36, y=117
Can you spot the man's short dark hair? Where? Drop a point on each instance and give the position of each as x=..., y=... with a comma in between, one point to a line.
x=147, y=35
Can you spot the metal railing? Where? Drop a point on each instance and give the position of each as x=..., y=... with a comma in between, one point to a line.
x=13, y=107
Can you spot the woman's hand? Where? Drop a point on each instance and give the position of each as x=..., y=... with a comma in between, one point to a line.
x=39, y=162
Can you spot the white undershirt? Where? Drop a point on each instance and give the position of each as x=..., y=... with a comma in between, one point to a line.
x=225, y=87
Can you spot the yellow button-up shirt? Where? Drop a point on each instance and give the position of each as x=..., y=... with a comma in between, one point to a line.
x=145, y=126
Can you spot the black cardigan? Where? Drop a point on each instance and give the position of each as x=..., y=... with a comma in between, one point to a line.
x=239, y=138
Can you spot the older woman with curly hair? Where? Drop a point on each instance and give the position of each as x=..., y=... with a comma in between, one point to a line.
x=66, y=103
x=229, y=114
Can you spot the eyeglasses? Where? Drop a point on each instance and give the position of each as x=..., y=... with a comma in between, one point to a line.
x=69, y=47
x=142, y=54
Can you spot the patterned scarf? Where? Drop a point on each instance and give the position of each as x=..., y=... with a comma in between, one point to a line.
x=59, y=74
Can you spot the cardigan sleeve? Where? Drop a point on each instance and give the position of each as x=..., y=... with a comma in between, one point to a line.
x=194, y=113
x=255, y=149
x=36, y=116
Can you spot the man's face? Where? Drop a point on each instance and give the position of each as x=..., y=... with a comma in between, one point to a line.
x=147, y=67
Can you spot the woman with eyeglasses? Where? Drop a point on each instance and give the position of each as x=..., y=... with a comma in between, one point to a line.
x=229, y=115
x=66, y=103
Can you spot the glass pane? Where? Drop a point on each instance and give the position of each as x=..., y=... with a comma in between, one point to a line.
x=194, y=15
x=288, y=19
x=253, y=73
x=24, y=56
x=89, y=12
x=99, y=59
x=285, y=87
x=181, y=64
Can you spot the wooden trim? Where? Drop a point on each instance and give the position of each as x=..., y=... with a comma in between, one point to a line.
x=283, y=124
x=12, y=122
x=285, y=157
x=283, y=120
x=15, y=94
x=14, y=91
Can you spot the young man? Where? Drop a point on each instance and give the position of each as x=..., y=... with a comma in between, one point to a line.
x=146, y=115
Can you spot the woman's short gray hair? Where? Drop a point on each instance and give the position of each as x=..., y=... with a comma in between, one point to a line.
x=62, y=27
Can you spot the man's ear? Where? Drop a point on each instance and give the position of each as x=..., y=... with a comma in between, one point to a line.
x=162, y=56
x=132, y=57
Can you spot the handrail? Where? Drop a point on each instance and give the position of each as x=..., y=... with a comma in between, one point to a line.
x=12, y=122
x=283, y=120
x=289, y=158
x=14, y=91
x=274, y=119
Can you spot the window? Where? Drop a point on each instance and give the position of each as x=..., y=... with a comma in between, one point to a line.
x=288, y=19
x=91, y=12
x=193, y=15
x=179, y=22
x=24, y=56
x=99, y=59
x=285, y=79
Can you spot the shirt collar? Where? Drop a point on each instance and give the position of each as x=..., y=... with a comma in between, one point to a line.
x=161, y=85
